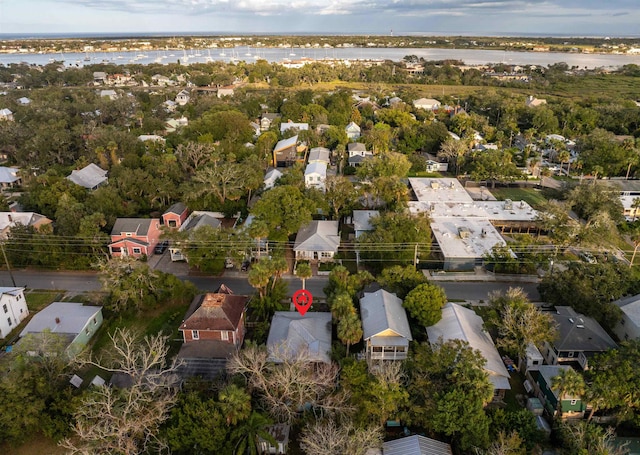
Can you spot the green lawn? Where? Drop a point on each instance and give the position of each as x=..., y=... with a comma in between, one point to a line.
x=532, y=196
x=37, y=300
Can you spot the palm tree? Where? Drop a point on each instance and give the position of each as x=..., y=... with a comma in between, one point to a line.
x=248, y=432
x=278, y=266
x=258, y=277
x=303, y=271
x=350, y=330
x=235, y=404
x=564, y=157
x=568, y=382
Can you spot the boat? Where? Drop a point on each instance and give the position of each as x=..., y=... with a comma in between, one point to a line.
x=248, y=54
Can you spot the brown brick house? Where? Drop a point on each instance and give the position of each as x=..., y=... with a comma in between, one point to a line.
x=216, y=316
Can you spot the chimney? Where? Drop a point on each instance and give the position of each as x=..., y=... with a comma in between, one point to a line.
x=10, y=218
x=57, y=320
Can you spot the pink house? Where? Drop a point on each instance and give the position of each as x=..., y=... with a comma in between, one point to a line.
x=134, y=237
x=175, y=215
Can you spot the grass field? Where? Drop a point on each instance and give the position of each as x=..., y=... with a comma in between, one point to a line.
x=37, y=300
x=532, y=196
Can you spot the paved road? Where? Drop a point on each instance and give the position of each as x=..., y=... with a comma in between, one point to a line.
x=88, y=281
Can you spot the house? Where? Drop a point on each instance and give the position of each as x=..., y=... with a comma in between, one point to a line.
x=579, y=338
x=319, y=155
x=271, y=177
x=134, y=237
x=267, y=119
x=256, y=128
x=175, y=215
x=279, y=432
x=151, y=138
x=225, y=91
x=99, y=77
x=628, y=328
x=362, y=221
x=90, y=177
x=9, y=177
x=111, y=94
x=75, y=321
x=13, y=309
x=460, y=323
x=534, y=102
x=416, y=445
x=6, y=114
x=193, y=222
x=9, y=220
x=182, y=97
x=357, y=153
x=315, y=175
x=161, y=80
x=353, y=131
x=24, y=101
x=436, y=166
x=170, y=105
x=215, y=316
x=317, y=241
x=630, y=206
x=293, y=126
x=385, y=326
x=285, y=152
x=173, y=124
x=571, y=406
x=428, y=104
x=292, y=334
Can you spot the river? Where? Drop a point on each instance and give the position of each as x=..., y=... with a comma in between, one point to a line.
x=250, y=54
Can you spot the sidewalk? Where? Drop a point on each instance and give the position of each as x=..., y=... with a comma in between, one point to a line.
x=479, y=274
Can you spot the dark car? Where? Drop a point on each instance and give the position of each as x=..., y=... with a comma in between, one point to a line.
x=245, y=266
x=161, y=247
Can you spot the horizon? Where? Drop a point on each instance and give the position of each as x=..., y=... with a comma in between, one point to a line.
x=513, y=18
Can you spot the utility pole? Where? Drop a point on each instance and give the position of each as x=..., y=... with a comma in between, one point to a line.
x=6, y=260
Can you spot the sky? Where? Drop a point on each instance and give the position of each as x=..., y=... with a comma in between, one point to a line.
x=379, y=17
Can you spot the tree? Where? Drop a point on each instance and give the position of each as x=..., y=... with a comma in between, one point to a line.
x=285, y=382
x=568, y=382
x=235, y=404
x=303, y=271
x=448, y=389
x=350, y=330
x=326, y=437
x=585, y=438
x=493, y=165
x=519, y=322
x=339, y=193
x=341, y=305
x=126, y=419
x=259, y=276
x=424, y=303
x=504, y=444
x=283, y=209
x=401, y=280
x=248, y=433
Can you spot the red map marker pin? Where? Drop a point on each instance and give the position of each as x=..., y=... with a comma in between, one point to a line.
x=302, y=299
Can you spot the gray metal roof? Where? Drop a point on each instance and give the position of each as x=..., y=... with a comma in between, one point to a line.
x=286, y=143
x=9, y=174
x=631, y=307
x=548, y=372
x=89, y=176
x=319, y=154
x=577, y=332
x=318, y=236
x=139, y=226
x=416, y=445
x=62, y=318
x=291, y=332
x=460, y=323
x=382, y=311
x=362, y=219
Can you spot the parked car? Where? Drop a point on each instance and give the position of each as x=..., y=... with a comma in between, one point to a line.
x=245, y=265
x=161, y=247
x=228, y=263
x=588, y=257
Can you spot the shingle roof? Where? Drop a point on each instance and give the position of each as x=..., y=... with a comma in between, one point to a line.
x=381, y=311
x=318, y=236
x=89, y=176
x=216, y=312
x=139, y=226
x=197, y=219
x=11, y=219
x=577, y=332
x=178, y=208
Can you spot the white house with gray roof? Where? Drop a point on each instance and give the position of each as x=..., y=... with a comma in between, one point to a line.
x=292, y=334
x=6, y=114
x=90, y=177
x=315, y=175
x=9, y=176
x=385, y=326
x=628, y=328
x=460, y=323
x=319, y=155
x=13, y=309
x=317, y=241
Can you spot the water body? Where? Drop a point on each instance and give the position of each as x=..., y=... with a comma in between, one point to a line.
x=250, y=55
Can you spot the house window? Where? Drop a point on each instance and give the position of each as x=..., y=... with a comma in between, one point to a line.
x=173, y=223
x=324, y=254
x=21, y=310
x=136, y=251
x=573, y=402
x=95, y=321
x=128, y=234
x=195, y=335
x=622, y=321
x=9, y=321
x=570, y=354
x=224, y=335
x=4, y=307
x=86, y=330
x=377, y=349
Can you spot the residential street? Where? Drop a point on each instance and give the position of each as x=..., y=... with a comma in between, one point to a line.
x=88, y=281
